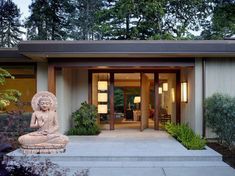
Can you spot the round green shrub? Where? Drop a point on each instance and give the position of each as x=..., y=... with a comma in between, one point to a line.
x=220, y=117
x=85, y=120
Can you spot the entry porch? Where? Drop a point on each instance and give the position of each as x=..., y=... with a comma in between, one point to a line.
x=130, y=152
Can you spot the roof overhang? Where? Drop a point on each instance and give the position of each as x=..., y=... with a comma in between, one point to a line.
x=43, y=50
x=12, y=55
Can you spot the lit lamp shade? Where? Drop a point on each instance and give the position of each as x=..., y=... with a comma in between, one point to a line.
x=173, y=95
x=102, y=85
x=102, y=109
x=137, y=100
x=102, y=97
x=184, y=92
x=160, y=90
x=165, y=86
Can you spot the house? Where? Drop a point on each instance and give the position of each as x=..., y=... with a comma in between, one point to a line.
x=134, y=84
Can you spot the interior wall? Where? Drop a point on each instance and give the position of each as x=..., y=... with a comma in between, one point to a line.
x=220, y=78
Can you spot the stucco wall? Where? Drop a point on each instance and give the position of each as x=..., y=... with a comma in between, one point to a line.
x=71, y=91
x=42, y=68
x=79, y=88
x=220, y=77
x=64, y=97
x=191, y=112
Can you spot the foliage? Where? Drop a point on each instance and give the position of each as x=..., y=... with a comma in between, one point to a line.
x=10, y=32
x=118, y=100
x=12, y=125
x=32, y=166
x=49, y=19
x=220, y=117
x=9, y=95
x=186, y=136
x=85, y=120
x=164, y=19
x=222, y=22
x=84, y=19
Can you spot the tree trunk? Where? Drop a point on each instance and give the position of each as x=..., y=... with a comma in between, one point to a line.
x=127, y=26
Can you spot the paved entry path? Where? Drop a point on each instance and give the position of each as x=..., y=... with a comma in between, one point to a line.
x=134, y=153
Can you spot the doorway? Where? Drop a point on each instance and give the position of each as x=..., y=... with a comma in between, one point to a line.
x=136, y=100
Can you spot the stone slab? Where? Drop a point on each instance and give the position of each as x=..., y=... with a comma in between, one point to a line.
x=126, y=171
x=199, y=171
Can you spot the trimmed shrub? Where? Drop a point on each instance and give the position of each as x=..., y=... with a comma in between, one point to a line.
x=186, y=136
x=220, y=117
x=85, y=121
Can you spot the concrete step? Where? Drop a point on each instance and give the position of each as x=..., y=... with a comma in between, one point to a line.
x=75, y=158
x=139, y=164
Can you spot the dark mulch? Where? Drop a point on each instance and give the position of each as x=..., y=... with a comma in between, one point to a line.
x=228, y=155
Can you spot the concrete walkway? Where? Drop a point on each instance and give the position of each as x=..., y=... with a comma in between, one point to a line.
x=130, y=152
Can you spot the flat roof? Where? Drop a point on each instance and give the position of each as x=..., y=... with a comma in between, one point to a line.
x=39, y=50
x=12, y=55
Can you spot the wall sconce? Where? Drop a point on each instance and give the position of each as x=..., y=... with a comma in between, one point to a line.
x=102, y=109
x=165, y=86
x=102, y=97
x=173, y=95
x=137, y=99
x=102, y=85
x=184, y=92
x=160, y=90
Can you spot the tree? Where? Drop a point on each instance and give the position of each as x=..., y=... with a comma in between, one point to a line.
x=222, y=23
x=141, y=19
x=9, y=95
x=84, y=19
x=49, y=20
x=10, y=24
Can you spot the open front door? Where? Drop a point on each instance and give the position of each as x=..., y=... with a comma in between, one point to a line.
x=145, y=88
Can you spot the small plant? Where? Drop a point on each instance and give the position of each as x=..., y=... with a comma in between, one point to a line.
x=85, y=121
x=32, y=166
x=9, y=95
x=185, y=135
x=220, y=117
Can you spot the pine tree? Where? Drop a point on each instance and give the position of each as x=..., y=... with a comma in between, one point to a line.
x=155, y=19
x=49, y=20
x=84, y=19
x=10, y=24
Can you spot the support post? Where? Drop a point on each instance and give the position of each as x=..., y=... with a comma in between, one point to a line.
x=156, y=101
x=111, y=100
x=178, y=97
x=51, y=78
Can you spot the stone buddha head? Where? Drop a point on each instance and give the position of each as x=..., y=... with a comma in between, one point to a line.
x=44, y=103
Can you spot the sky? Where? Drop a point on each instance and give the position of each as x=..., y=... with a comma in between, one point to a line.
x=23, y=5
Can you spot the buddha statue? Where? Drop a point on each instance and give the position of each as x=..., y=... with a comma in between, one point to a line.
x=47, y=138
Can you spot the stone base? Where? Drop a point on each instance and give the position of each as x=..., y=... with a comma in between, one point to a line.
x=43, y=149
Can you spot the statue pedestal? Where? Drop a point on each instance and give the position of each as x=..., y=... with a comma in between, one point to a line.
x=43, y=149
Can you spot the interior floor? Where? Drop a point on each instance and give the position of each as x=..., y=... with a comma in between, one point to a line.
x=130, y=124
